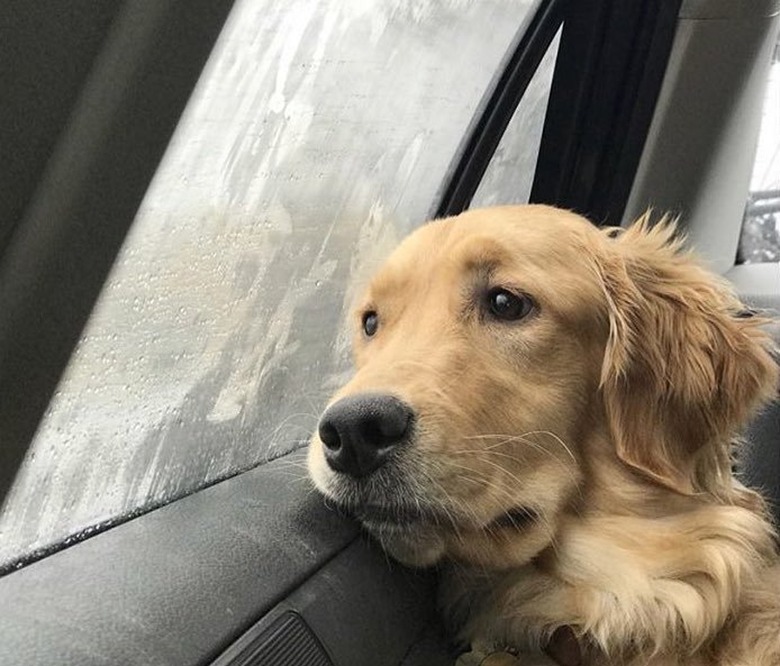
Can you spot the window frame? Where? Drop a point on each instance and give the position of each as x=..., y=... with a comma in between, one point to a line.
x=602, y=110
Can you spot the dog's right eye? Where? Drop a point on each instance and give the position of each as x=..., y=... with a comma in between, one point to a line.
x=370, y=322
x=508, y=306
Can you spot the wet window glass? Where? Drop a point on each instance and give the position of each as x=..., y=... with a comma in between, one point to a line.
x=319, y=134
x=760, y=241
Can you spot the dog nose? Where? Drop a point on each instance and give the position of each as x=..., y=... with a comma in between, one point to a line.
x=360, y=431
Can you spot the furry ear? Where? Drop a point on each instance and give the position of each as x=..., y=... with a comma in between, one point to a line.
x=682, y=372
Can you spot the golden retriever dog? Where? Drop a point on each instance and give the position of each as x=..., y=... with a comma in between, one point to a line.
x=547, y=410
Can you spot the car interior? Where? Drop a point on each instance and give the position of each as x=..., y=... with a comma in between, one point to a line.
x=220, y=553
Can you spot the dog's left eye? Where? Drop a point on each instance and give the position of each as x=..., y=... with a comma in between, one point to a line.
x=508, y=306
x=370, y=322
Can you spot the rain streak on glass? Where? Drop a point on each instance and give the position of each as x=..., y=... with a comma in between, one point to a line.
x=318, y=135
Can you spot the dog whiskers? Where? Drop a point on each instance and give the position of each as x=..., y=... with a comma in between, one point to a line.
x=507, y=439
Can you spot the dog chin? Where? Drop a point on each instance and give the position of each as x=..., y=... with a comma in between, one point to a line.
x=510, y=541
x=411, y=536
x=414, y=545
x=423, y=539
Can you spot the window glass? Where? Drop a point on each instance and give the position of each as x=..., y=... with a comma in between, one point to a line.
x=760, y=241
x=319, y=133
x=510, y=174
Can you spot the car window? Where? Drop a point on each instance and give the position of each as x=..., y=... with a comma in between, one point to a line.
x=760, y=240
x=319, y=134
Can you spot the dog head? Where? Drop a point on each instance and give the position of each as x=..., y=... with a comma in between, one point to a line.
x=491, y=349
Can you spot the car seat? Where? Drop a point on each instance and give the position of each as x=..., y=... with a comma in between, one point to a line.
x=759, y=464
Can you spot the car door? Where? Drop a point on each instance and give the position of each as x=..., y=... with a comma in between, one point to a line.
x=175, y=273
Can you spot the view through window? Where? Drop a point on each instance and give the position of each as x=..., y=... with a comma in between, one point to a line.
x=760, y=241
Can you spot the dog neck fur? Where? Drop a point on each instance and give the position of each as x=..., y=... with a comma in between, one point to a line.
x=627, y=581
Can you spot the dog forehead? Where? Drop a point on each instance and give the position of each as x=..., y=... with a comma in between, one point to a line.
x=537, y=238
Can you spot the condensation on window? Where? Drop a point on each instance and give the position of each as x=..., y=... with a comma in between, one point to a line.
x=510, y=173
x=760, y=240
x=318, y=135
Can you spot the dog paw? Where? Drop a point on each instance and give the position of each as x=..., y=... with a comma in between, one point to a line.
x=502, y=658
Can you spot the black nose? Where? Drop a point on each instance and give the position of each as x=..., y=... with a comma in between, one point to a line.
x=359, y=432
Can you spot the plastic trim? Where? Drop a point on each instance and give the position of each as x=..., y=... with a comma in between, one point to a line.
x=609, y=71
x=701, y=144
x=177, y=585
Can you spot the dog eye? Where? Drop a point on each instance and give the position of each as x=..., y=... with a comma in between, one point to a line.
x=505, y=305
x=370, y=322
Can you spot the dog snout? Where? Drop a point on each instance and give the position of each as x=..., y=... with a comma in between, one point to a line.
x=360, y=432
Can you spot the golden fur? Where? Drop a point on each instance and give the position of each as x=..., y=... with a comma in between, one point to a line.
x=606, y=417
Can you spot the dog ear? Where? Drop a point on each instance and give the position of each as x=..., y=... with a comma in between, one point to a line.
x=682, y=370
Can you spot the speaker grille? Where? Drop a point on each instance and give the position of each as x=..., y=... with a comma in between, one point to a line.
x=287, y=642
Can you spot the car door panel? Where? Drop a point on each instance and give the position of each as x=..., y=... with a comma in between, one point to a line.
x=179, y=584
